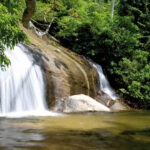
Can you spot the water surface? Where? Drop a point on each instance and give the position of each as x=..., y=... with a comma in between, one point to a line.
x=86, y=131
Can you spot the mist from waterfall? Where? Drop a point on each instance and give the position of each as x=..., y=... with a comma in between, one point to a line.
x=104, y=83
x=22, y=89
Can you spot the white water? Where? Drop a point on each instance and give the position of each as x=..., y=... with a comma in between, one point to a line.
x=104, y=83
x=22, y=90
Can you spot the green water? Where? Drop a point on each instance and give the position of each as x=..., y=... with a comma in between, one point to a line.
x=86, y=131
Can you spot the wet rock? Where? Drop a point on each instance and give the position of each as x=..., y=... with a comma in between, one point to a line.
x=147, y=130
x=105, y=99
x=65, y=74
x=114, y=105
x=79, y=103
x=119, y=106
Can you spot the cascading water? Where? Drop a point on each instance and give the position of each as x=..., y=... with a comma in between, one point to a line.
x=22, y=90
x=104, y=83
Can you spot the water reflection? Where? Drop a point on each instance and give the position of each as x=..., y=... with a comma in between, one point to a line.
x=89, y=131
x=11, y=136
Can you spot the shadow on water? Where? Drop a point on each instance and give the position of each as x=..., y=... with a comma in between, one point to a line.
x=96, y=139
x=12, y=137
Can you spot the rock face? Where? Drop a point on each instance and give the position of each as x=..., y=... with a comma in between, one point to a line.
x=79, y=103
x=66, y=73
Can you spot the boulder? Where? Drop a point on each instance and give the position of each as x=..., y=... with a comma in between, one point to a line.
x=79, y=103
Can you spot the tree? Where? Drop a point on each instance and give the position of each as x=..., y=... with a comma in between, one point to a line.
x=29, y=12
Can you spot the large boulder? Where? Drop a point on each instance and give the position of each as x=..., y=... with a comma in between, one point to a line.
x=79, y=103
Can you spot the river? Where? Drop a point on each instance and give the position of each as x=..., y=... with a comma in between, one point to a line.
x=81, y=131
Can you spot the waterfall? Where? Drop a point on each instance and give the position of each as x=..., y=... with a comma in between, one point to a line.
x=22, y=89
x=104, y=83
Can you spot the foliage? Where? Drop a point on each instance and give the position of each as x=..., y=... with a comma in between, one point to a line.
x=43, y=12
x=140, y=11
x=10, y=34
x=81, y=26
x=132, y=69
x=134, y=75
x=14, y=6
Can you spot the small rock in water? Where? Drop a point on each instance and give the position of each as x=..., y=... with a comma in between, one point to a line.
x=147, y=129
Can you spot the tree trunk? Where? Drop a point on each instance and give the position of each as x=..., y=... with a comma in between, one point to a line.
x=29, y=12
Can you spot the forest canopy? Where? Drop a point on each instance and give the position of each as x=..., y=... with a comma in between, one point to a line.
x=121, y=44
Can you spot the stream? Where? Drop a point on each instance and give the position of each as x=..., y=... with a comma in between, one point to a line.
x=81, y=131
